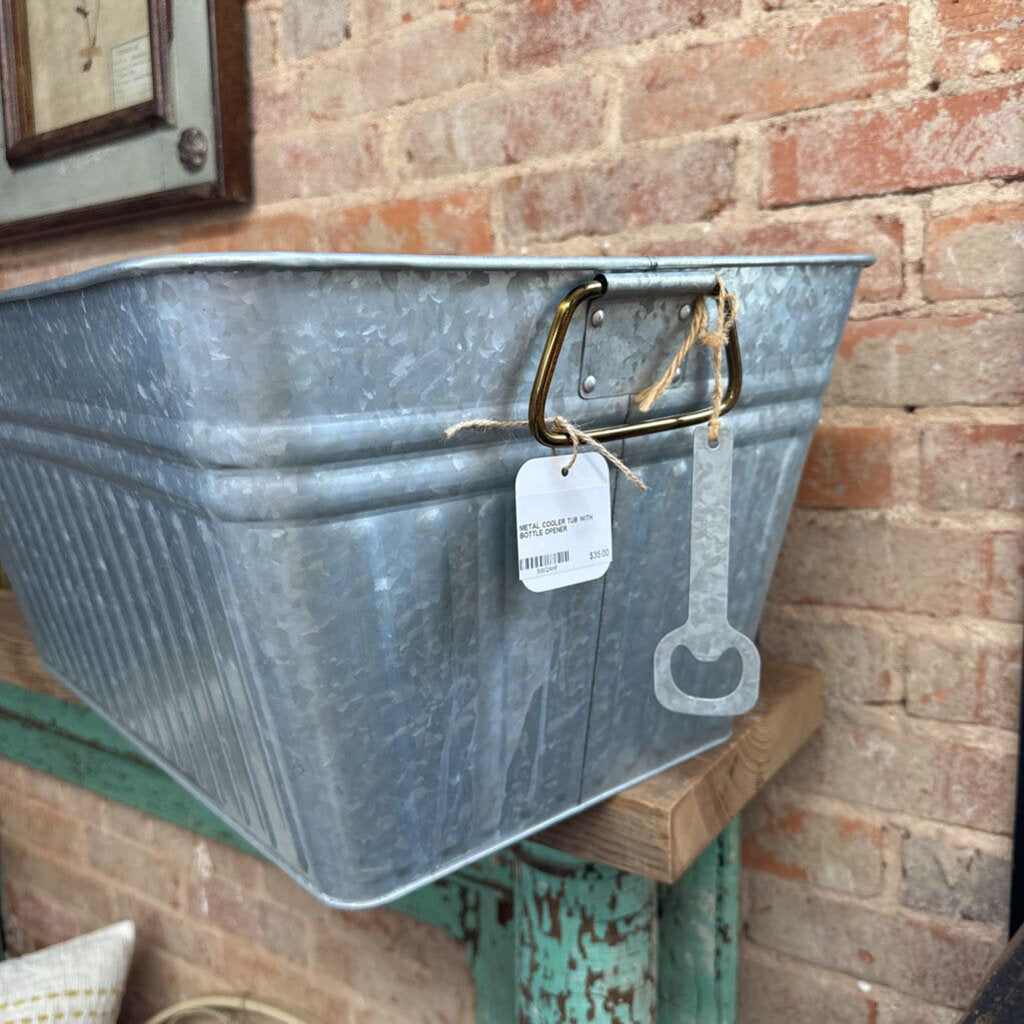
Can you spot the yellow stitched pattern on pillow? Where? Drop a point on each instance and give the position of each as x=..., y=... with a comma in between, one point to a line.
x=67, y=993
x=58, y=1015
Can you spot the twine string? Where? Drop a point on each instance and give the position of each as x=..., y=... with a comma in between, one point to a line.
x=577, y=435
x=698, y=325
x=715, y=341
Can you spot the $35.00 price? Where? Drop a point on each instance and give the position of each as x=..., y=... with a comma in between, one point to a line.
x=600, y=553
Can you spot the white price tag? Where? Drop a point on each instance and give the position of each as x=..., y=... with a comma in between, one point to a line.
x=564, y=523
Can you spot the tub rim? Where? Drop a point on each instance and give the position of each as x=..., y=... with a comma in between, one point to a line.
x=298, y=261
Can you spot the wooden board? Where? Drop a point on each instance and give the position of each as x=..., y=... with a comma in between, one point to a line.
x=19, y=659
x=659, y=827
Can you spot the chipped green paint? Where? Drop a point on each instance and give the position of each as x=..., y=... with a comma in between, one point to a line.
x=727, y=928
x=699, y=917
x=586, y=942
x=475, y=907
x=611, y=916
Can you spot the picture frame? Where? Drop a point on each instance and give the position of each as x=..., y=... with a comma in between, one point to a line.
x=23, y=143
x=185, y=145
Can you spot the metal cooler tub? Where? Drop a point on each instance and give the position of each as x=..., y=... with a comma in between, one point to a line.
x=230, y=517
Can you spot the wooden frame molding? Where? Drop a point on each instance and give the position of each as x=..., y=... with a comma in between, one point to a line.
x=22, y=144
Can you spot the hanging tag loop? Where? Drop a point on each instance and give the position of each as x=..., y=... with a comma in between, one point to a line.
x=716, y=340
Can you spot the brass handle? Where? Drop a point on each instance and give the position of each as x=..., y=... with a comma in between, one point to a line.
x=546, y=372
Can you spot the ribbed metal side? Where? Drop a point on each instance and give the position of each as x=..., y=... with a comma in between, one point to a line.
x=118, y=587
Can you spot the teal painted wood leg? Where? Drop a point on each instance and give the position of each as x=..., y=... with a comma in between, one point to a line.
x=586, y=942
x=699, y=919
x=475, y=907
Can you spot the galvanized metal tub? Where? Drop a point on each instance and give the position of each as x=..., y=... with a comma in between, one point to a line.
x=235, y=529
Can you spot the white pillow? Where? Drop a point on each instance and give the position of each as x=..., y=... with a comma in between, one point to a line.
x=78, y=980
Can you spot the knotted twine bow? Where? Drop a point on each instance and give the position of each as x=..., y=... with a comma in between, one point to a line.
x=575, y=434
x=716, y=340
x=728, y=306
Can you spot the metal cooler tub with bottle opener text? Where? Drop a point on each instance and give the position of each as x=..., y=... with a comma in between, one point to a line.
x=235, y=529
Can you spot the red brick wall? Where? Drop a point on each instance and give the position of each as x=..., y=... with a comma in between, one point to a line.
x=877, y=866
x=210, y=919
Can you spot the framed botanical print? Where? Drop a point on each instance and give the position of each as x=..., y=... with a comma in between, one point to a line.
x=119, y=108
x=78, y=72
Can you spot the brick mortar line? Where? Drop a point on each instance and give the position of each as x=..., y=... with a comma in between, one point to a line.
x=726, y=30
x=354, y=47
x=915, y=244
x=898, y=205
x=653, y=234
x=356, y=24
x=890, y=847
x=950, y=200
x=88, y=828
x=632, y=55
x=496, y=212
x=840, y=807
x=1005, y=305
x=846, y=415
x=391, y=156
x=474, y=90
x=888, y=205
x=82, y=867
x=988, y=737
x=924, y=43
x=894, y=621
x=887, y=899
x=936, y=617
x=612, y=124
x=886, y=991
x=975, y=929
x=483, y=89
x=489, y=176
x=747, y=169
x=273, y=12
x=975, y=520
x=732, y=30
x=882, y=101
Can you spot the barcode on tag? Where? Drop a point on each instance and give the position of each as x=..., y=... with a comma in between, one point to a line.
x=543, y=561
x=563, y=522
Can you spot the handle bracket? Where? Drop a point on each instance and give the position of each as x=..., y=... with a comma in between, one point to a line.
x=537, y=417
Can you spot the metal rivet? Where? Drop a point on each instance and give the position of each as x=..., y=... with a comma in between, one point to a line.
x=590, y=382
x=678, y=373
x=597, y=317
x=684, y=311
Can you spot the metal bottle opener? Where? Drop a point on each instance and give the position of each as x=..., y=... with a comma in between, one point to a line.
x=706, y=632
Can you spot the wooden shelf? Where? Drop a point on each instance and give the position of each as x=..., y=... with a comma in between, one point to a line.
x=19, y=659
x=659, y=827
